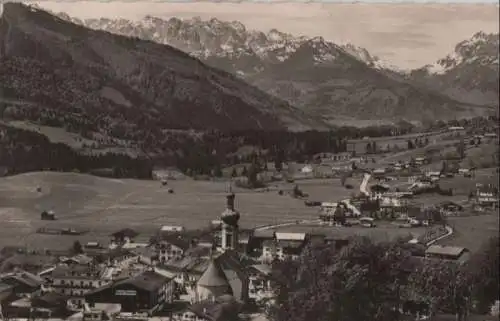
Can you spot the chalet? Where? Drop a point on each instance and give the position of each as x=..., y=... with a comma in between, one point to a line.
x=147, y=292
x=171, y=248
x=285, y=245
x=452, y=253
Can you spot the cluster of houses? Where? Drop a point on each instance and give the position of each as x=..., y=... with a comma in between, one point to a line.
x=177, y=275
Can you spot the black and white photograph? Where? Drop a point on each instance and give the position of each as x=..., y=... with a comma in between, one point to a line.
x=249, y=160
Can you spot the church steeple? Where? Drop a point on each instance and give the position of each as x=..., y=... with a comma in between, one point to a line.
x=230, y=218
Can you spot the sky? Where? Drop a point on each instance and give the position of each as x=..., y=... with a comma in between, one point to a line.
x=407, y=35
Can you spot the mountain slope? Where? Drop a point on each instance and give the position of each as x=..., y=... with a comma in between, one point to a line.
x=337, y=82
x=470, y=73
x=121, y=85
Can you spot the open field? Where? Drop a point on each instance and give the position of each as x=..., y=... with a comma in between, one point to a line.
x=107, y=205
x=471, y=232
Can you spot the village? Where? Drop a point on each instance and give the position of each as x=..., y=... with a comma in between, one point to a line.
x=222, y=271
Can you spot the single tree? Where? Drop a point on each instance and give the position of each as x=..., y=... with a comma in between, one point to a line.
x=77, y=247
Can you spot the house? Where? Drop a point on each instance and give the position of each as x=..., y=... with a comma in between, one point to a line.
x=81, y=259
x=260, y=281
x=123, y=236
x=449, y=208
x=419, y=161
x=285, y=245
x=452, y=253
x=32, y=263
x=379, y=173
x=172, y=229
x=170, y=248
x=75, y=281
x=146, y=255
x=147, y=292
x=487, y=196
x=341, y=157
x=307, y=169
x=51, y=304
x=23, y=283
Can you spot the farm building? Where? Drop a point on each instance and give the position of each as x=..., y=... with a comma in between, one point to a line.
x=172, y=228
x=48, y=216
x=453, y=253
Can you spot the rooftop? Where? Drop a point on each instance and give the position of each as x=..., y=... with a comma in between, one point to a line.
x=445, y=250
x=148, y=281
x=213, y=276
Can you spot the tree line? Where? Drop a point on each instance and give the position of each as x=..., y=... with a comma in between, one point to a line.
x=368, y=281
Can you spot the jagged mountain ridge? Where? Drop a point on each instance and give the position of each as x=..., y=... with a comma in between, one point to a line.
x=337, y=82
x=120, y=85
x=226, y=45
x=470, y=73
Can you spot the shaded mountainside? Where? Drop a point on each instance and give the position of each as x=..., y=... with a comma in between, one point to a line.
x=54, y=69
x=470, y=73
x=336, y=82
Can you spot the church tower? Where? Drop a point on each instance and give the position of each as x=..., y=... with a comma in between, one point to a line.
x=229, y=228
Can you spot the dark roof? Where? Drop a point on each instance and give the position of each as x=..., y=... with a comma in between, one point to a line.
x=25, y=278
x=5, y=287
x=144, y=252
x=52, y=298
x=290, y=244
x=264, y=234
x=148, y=281
x=25, y=260
x=213, y=276
x=126, y=232
x=76, y=271
x=177, y=241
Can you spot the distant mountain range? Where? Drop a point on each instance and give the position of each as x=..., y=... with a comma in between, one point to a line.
x=339, y=83
x=470, y=73
x=56, y=72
